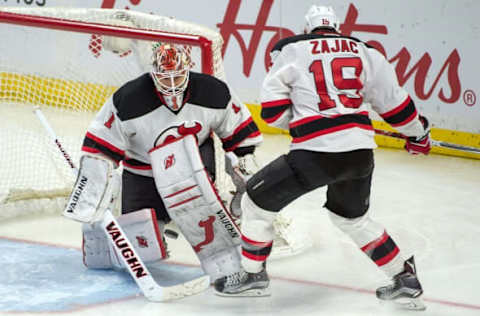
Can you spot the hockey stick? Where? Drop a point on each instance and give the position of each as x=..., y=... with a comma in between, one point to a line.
x=126, y=252
x=432, y=141
x=54, y=137
x=137, y=269
x=26, y=194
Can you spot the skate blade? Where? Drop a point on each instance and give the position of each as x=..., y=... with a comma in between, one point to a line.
x=406, y=304
x=247, y=293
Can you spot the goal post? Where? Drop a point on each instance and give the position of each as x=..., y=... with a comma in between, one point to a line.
x=98, y=27
x=68, y=61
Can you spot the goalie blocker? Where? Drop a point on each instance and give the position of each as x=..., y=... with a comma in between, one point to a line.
x=97, y=188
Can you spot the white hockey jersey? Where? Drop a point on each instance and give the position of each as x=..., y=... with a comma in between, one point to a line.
x=134, y=120
x=322, y=86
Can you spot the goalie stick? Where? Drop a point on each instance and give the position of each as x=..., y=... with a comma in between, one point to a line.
x=54, y=137
x=126, y=252
x=137, y=269
x=432, y=141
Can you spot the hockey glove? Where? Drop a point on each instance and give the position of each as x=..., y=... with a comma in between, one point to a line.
x=419, y=145
x=240, y=169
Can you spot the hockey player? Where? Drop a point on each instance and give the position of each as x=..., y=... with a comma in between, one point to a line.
x=320, y=85
x=142, y=120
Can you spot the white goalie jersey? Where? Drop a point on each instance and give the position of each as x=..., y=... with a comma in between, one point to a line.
x=135, y=120
x=321, y=87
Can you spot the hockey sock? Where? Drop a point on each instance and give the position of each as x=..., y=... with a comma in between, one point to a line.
x=373, y=240
x=385, y=253
x=254, y=253
x=257, y=235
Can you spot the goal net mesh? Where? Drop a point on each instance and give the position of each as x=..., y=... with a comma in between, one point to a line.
x=68, y=62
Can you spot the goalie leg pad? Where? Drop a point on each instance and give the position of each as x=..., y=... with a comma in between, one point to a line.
x=96, y=188
x=141, y=228
x=95, y=247
x=193, y=203
x=222, y=263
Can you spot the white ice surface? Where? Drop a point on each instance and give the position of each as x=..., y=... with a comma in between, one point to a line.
x=429, y=205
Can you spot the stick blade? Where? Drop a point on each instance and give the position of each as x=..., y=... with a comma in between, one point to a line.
x=174, y=292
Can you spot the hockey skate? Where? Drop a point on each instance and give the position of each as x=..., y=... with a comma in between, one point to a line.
x=406, y=290
x=243, y=284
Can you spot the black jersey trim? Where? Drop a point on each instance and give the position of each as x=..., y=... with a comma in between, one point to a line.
x=94, y=144
x=136, y=98
x=139, y=96
x=402, y=114
x=136, y=164
x=245, y=130
x=207, y=91
x=243, y=151
x=317, y=126
x=271, y=111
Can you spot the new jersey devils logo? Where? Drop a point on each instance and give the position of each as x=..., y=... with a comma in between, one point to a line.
x=175, y=132
x=169, y=161
x=142, y=241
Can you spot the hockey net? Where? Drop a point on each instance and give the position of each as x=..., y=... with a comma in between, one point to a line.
x=68, y=62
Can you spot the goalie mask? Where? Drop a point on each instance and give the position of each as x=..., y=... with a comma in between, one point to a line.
x=321, y=17
x=171, y=65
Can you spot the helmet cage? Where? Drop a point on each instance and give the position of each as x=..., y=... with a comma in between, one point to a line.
x=171, y=65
